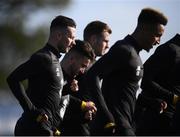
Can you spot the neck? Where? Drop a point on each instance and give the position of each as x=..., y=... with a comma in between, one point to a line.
x=52, y=43
x=137, y=35
x=65, y=66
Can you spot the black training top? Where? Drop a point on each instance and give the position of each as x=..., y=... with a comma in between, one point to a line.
x=162, y=73
x=121, y=69
x=74, y=122
x=45, y=82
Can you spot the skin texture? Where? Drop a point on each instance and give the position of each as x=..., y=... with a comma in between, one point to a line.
x=66, y=39
x=100, y=43
x=153, y=35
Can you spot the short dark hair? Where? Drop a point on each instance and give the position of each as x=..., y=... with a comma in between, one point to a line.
x=149, y=15
x=95, y=27
x=62, y=21
x=83, y=48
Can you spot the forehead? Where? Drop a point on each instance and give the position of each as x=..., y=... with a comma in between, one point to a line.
x=160, y=28
x=71, y=30
x=79, y=58
x=83, y=60
x=157, y=29
x=105, y=35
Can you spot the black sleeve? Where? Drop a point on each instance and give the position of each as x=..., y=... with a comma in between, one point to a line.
x=145, y=101
x=74, y=101
x=157, y=66
x=74, y=107
x=83, y=93
x=75, y=104
x=24, y=71
x=105, y=65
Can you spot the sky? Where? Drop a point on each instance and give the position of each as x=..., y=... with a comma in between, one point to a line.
x=120, y=15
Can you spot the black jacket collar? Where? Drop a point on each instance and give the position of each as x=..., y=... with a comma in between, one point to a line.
x=53, y=50
x=133, y=42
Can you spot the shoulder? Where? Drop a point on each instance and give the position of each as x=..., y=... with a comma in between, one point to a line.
x=42, y=56
x=175, y=48
x=167, y=49
x=121, y=46
x=124, y=48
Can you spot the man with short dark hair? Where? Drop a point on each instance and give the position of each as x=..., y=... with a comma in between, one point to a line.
x=41, y=100
x=121, y=70
x=75, y=63
x=97, y=33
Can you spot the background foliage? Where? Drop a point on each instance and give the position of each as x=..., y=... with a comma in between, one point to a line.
x=16, y=44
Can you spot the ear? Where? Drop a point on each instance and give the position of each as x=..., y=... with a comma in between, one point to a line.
x=149, y=27
x=59, y=35
x=93, y=39
x=72, y=59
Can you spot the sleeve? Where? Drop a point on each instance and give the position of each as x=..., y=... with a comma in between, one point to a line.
x=72, y=104
x=158, y=65
x=75, y=104
x=144, y=101
x=83, y=94
x=24, y=71
x=104, y=66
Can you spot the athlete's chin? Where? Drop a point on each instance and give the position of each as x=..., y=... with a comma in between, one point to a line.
x=67, y=50
x=148, y=49
x=63, y=50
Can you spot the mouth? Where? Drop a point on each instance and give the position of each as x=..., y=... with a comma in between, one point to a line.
x=69, y=47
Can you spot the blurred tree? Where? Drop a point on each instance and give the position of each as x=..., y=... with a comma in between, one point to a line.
x=15, y=43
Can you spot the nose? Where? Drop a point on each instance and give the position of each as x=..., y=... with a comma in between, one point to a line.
x=74, y=42
x=82, y=71
x=158, y=40
x=107, y=46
